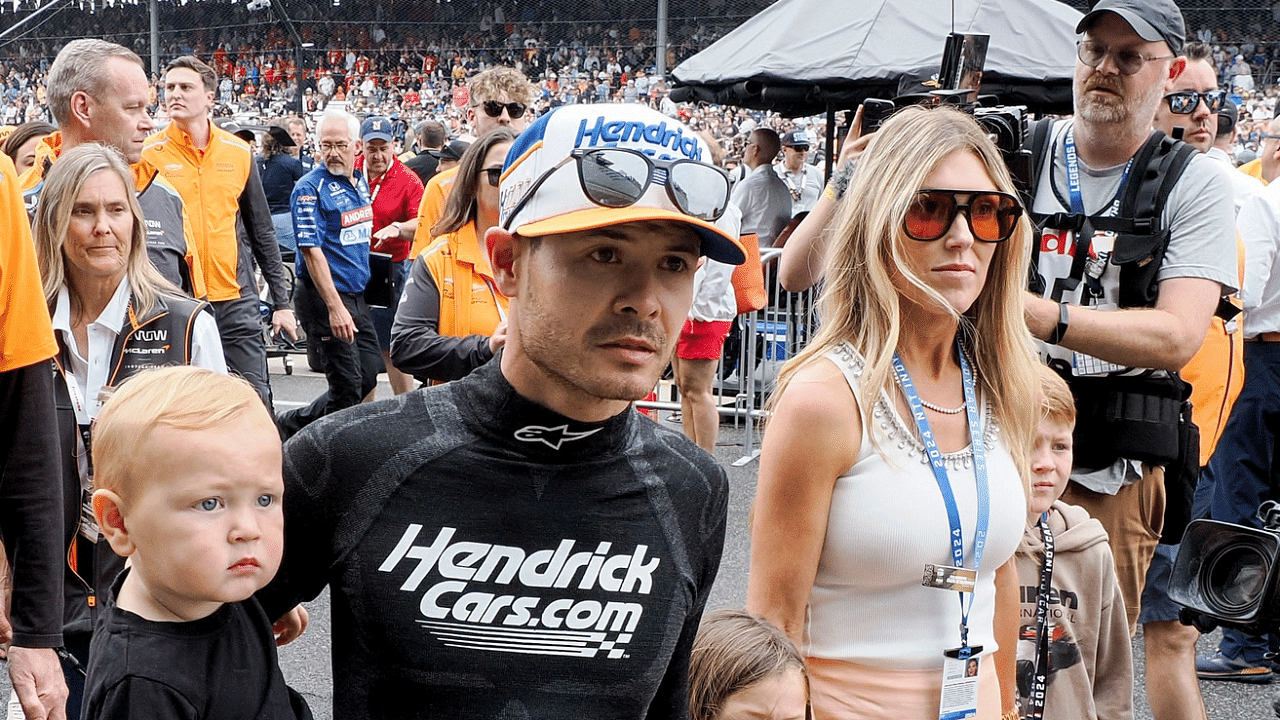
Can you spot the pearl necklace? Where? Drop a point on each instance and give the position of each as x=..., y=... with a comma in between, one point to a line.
x=935, y=408
x=940, y=409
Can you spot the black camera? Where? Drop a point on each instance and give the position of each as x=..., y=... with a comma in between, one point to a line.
x=1227, y=575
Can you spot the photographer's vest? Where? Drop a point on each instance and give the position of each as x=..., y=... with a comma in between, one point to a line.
x=1122, y=412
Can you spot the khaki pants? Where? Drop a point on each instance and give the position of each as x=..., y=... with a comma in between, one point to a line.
x=1133, y=519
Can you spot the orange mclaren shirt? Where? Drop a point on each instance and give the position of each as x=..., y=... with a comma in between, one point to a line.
x=211, y=182
x=26, y=332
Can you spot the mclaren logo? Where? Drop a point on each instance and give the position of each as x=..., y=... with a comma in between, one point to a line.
x=553, y=437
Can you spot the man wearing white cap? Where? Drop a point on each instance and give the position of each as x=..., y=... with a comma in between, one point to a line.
x=521, y=542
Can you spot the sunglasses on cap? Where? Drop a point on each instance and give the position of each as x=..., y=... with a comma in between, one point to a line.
x=494, y=109
x=992, y=216
x=618, y=178
x=1185, y=101
x=1128, y=62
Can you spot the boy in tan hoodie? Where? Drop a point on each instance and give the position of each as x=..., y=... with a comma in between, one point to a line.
x=1074, y=657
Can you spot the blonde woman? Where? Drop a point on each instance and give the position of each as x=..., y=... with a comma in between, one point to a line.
x=114, y=315
x=905, y=426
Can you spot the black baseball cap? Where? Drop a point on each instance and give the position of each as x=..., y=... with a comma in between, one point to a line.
x=1228, y=117
x=794, y=138
x=454, y=149
x=1152, y=20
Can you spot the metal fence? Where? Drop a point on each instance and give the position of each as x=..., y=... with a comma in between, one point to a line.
x=758, y=346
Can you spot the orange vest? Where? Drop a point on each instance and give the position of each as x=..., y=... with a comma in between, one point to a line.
x=210, y=182
x=470, y=303
x=1253, y=168
x=1216, y=374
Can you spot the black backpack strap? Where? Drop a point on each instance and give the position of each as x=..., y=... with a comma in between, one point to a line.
x=1037, y=143
x=1141, y=238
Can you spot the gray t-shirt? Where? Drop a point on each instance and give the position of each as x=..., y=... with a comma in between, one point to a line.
x=1199, y=213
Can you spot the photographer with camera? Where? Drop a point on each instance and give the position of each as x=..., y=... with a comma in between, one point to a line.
x=1121, y=304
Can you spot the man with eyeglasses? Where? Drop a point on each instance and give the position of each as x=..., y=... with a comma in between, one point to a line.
x=521, y=542
x=1090, y=309
x=761, y=195
x=804, y=181
x=333, y=224
x=500, y=97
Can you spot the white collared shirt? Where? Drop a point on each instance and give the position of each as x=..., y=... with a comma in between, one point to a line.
x=91, y=372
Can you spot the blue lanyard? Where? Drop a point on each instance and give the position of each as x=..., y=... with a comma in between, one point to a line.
x=1073, y=173
x=940, y=473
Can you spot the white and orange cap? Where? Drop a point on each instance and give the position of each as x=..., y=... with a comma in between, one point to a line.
x=561, y=205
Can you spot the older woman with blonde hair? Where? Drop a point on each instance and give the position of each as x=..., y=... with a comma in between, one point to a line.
x=899, y=438
x=114, y=315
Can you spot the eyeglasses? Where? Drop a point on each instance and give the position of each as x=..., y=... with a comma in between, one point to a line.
x=492, y=175
x=329, y=147
x=992, y=216
x=1186, y=101
x=1128, y=62
x=618, y=178
x=494, y=109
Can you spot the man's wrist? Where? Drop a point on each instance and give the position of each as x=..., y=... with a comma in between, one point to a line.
x=1060, y=329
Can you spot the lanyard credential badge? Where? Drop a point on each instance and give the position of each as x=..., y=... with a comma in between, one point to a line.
x=960, y=665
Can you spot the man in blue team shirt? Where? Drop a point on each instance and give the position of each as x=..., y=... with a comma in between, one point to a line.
x=332, y=222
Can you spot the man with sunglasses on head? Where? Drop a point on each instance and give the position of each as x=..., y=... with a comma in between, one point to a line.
x=500, y=97
x=804, y=181
x=521, y=542
x=1116, y=308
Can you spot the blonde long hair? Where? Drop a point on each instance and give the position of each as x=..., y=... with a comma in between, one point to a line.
x=861, y=306
x=62, y=185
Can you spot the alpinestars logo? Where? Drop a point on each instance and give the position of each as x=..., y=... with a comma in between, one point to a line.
x=460, y=614
x=553, y=437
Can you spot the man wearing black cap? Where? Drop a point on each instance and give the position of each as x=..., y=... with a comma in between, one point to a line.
x=1090, y=312
x=802, y=179
x=1243, y=184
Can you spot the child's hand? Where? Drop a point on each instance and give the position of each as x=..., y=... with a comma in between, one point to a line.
x=291, y=626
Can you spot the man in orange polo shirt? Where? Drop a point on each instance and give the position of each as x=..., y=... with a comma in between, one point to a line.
x=231, y=221
x=500, y=96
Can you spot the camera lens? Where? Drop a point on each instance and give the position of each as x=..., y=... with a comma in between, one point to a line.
x=1235, y=579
